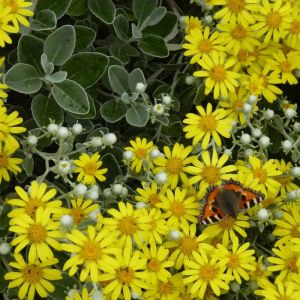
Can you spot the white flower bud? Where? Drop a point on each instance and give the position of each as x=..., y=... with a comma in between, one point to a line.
x=109, y=139
x=124, y=191
x=64, y=167
x=292, y=195
x=264, y=141
x=166, y=99
x=286, y=145
x=248, y=152
x=5, y=248
x=140, y=87
x=296, y=126
x=161, y=178
x=290, y=113
x=80, y=189
x=134, y=295
x=174, y=235
x=269, y=114
x=52, y=128
x=247, y=108
x=32, y=140
x=96, y=141
x=92, y=194
x=97, y=295
x=228, y=152
x=62, y=132
x=256, y=132
x=139, y=205
x=252, y=99
x=66, y=221
x=296, y=172
x=128, y=155
x=190, y=80
x=245, y=139
x=154, y=153
x=159, y=109
x=263, y=214
x=93, y=215
x=278, y=214
x=253, y=285
x=107, y=193
x=77, y=128
x=208, y=19
x=117, y=188
x=71, y=293
x=235, y=287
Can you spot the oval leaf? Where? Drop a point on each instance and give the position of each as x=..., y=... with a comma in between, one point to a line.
x=143, y=8
x=113, y=111
x=118, y=79
x=58, y=6
x=137, y=115
x=85, y=36
x=105, y=10
x=44, y=20
x=153, y=45
x=135, y=76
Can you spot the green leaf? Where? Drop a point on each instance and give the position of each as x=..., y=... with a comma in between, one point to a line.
x=142, y=9
x=30, y=49
x=200, y=95
x=43, y=109
x=3, y=282
x=57, y=77
x=91, y=114
x=61, y=286
x=121, y=26
x=153, y=45
x=86, y=68
x=77, y=8
x=123, y=52
x=104, y=10
x=135, y=77
x=174, y=129
x=60, y=44
x=44, y=20
x=156, y=15
x=58, y=6
x=113, y=111
x=118, y=79
x=85, y=36
x=71, y=97
x=137, y=115
x=27, y=165
x=136, y=32
x=23, y=78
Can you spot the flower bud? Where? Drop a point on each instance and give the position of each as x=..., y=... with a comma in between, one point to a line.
x=248, y=152
x=208, y=20
x=269, y=114
x=109, y=139
x=66, y=221
x=245, y=139
x=62, y=132
x=161, y=177
x=252, y=99
x=296, y=126
x=263, y=214
x=264, y=141
x=97, y=295
x=128, y=155
x=64, y=167
x=80, y=189
x=92, y=194
x=32, y=140
x=77, y=128
x=296, y=172
x=154, y=153
x=228, y=152
x=5, y=248
x=174, y=235
x=139, y=205
x=166, y=99
x=117, y=188
x=256, y=132
x=93, y=215
x=107, y=193
x=159, y=109
x=292, y=196
x=190, y=80
x=290, y=113
x=52, y=128
x=140, y=87
x=235, y=287
x=286, y=145
x=96, y=141
x=247, y=108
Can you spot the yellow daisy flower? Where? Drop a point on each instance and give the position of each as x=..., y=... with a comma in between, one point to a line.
x=79, y=295
x=89, y=169
x=179, y=209
x=218, y=76
x=5, y=28
x=39, y=233
x=208, y=124
x=273, y=20
x=211, y=171
x=293, y=36
x=36, y=196
x=253, y=84
x=244, y=60
x=32, y=277
x=8, y=163
x=261, y=53
x=201, y=271
x=239, y=259
x=91, y=251
x=270, y=199
x=260, y=271
x=174, y=162
x=192, y=23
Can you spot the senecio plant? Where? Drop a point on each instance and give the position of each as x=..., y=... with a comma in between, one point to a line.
x=149, y=149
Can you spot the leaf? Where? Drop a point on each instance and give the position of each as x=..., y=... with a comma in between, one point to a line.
x=137, y=115
x=58, y=6
x=136, y=33
x=104, y=10
x=91, y=114
x=121, y=26
x=44, y=20
x=60, y=44
x=142, y=9
x=200, y=96
x=86, y=68
x=113, y=111
x=43, y=109
x=57, y=77
x=71, y=97
x=85, y=36
x=61, y=286
x=77, y=8
x=111, y=163
x=156, y=15
x=135, y=77
x=27, y=165
x=118, y=79
x=153, y=45
x=23, y=78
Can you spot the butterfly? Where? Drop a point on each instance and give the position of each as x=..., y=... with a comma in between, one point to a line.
x=228, y=199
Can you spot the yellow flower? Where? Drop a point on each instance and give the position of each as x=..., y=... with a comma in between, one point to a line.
x=293, y=36
x=88, y=168
x=128, y=272
x=201, y=41
x=208, y=124
x=36, y=196
x=5, y=28
x=239, y=259
x=253, y=84
x=273, y=20
x=38, y=232
x=76, y=295
x=140, y=149
x=129, y=224
x=244, y=60
x=211, y=171
x=174, y=162
x=260, y=270
x=218, y=76
x=202, y=271
x=192, y=23
x=8, y=163
x=32, y=277
x=91, y=251
x=179, y=209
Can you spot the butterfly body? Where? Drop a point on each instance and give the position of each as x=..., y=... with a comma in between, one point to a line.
x=227, y=199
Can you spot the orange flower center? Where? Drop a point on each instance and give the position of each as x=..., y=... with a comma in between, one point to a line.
x=295, y=232
x=37, y=233
x=227, y=223
x=284, y=180
x=140, y=153
x=207, y=273
x=77, y=214
x=32, y=205
x=32, y=273
x=295, y=27
x=273, y=19
x=208, y=123
x=153, y=224
x=91, y=251
x=185, y=296
x=13, y=4
x=125, y=276
x=188, y=244
x=291, y=264
x=154, y=199
x=233, y=261
x=218, y=73
x=260, y=174
x=239, y=32
x=205, y=46
x=153, y=265
x=211, y=174
x=243, y=55
x=90, y=168
x=236, y=5
x=285, y=66
x=166, y=288
x=3, y=161
x=177, y=209
x=238, y=105
x=128, y=226
x=174, y=165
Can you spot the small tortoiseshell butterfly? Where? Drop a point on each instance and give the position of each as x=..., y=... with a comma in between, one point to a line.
x=227, y=199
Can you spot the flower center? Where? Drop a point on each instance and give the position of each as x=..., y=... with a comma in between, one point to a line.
x=254, y=87
x=238, y=105
x=90, y=168
x=295, y=27
x=259, y=271
x=185, y=296
x=13, y=4
x=166, y=288
x=3, y=161
x=32, y=205
x=32, y=273
x=37, y=233
x=295, y=232
x=236, y=5
x=208, y=123
x=284, y=180
x=125, y=276
x=205, y=46
x=153, y=224
x=233, y=261
x=239, y=32
x=292, y=264
x=140, y=152
x=211, y=174
x=188, y=245
x=243, y=55
x=174, y=165
x=177, y=209
x=207, y=273
x=227, y=223
x=91, y=251
x=154, y=199
x=285, y=67
x=273, y=19
x=218, y=73
x=77, y=214
x=127, y=225
x=153, y=265
x=260, y=174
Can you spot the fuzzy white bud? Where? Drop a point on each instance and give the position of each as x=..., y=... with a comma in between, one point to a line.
x=124, y=191
x=190, y=80
x=159, y=109
x=292, y=195
x=80, y=189
x=64, y=167
x=128, y=155
x=296, y=126
x=252, y=99
x=256, y=132
x=245, y=139
x=134, y=295
x=66, y=221
x=248, y=152
x=161, y=178
x=52, y=128
x=208, y=19
x=296, y=172
x=286, y=145
x=77, y=128
x=140, y=87
x=107, y=193
x=228, y=152
x=174, y=235
x=290, y=113
x=32, y=140
x=247, y=108
x=278, y=214
x=93, y=215
x=264, y=141
x=139, y=205
x=154, y=153
x=269, y=114
x=263, y=214
x=235, y=287
x=96, y=141
x=117, y=188
x=109, y=139
x=166, y=99
x=5, y=248
x=97, y=295
x=62, y=132
x=92, y=194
